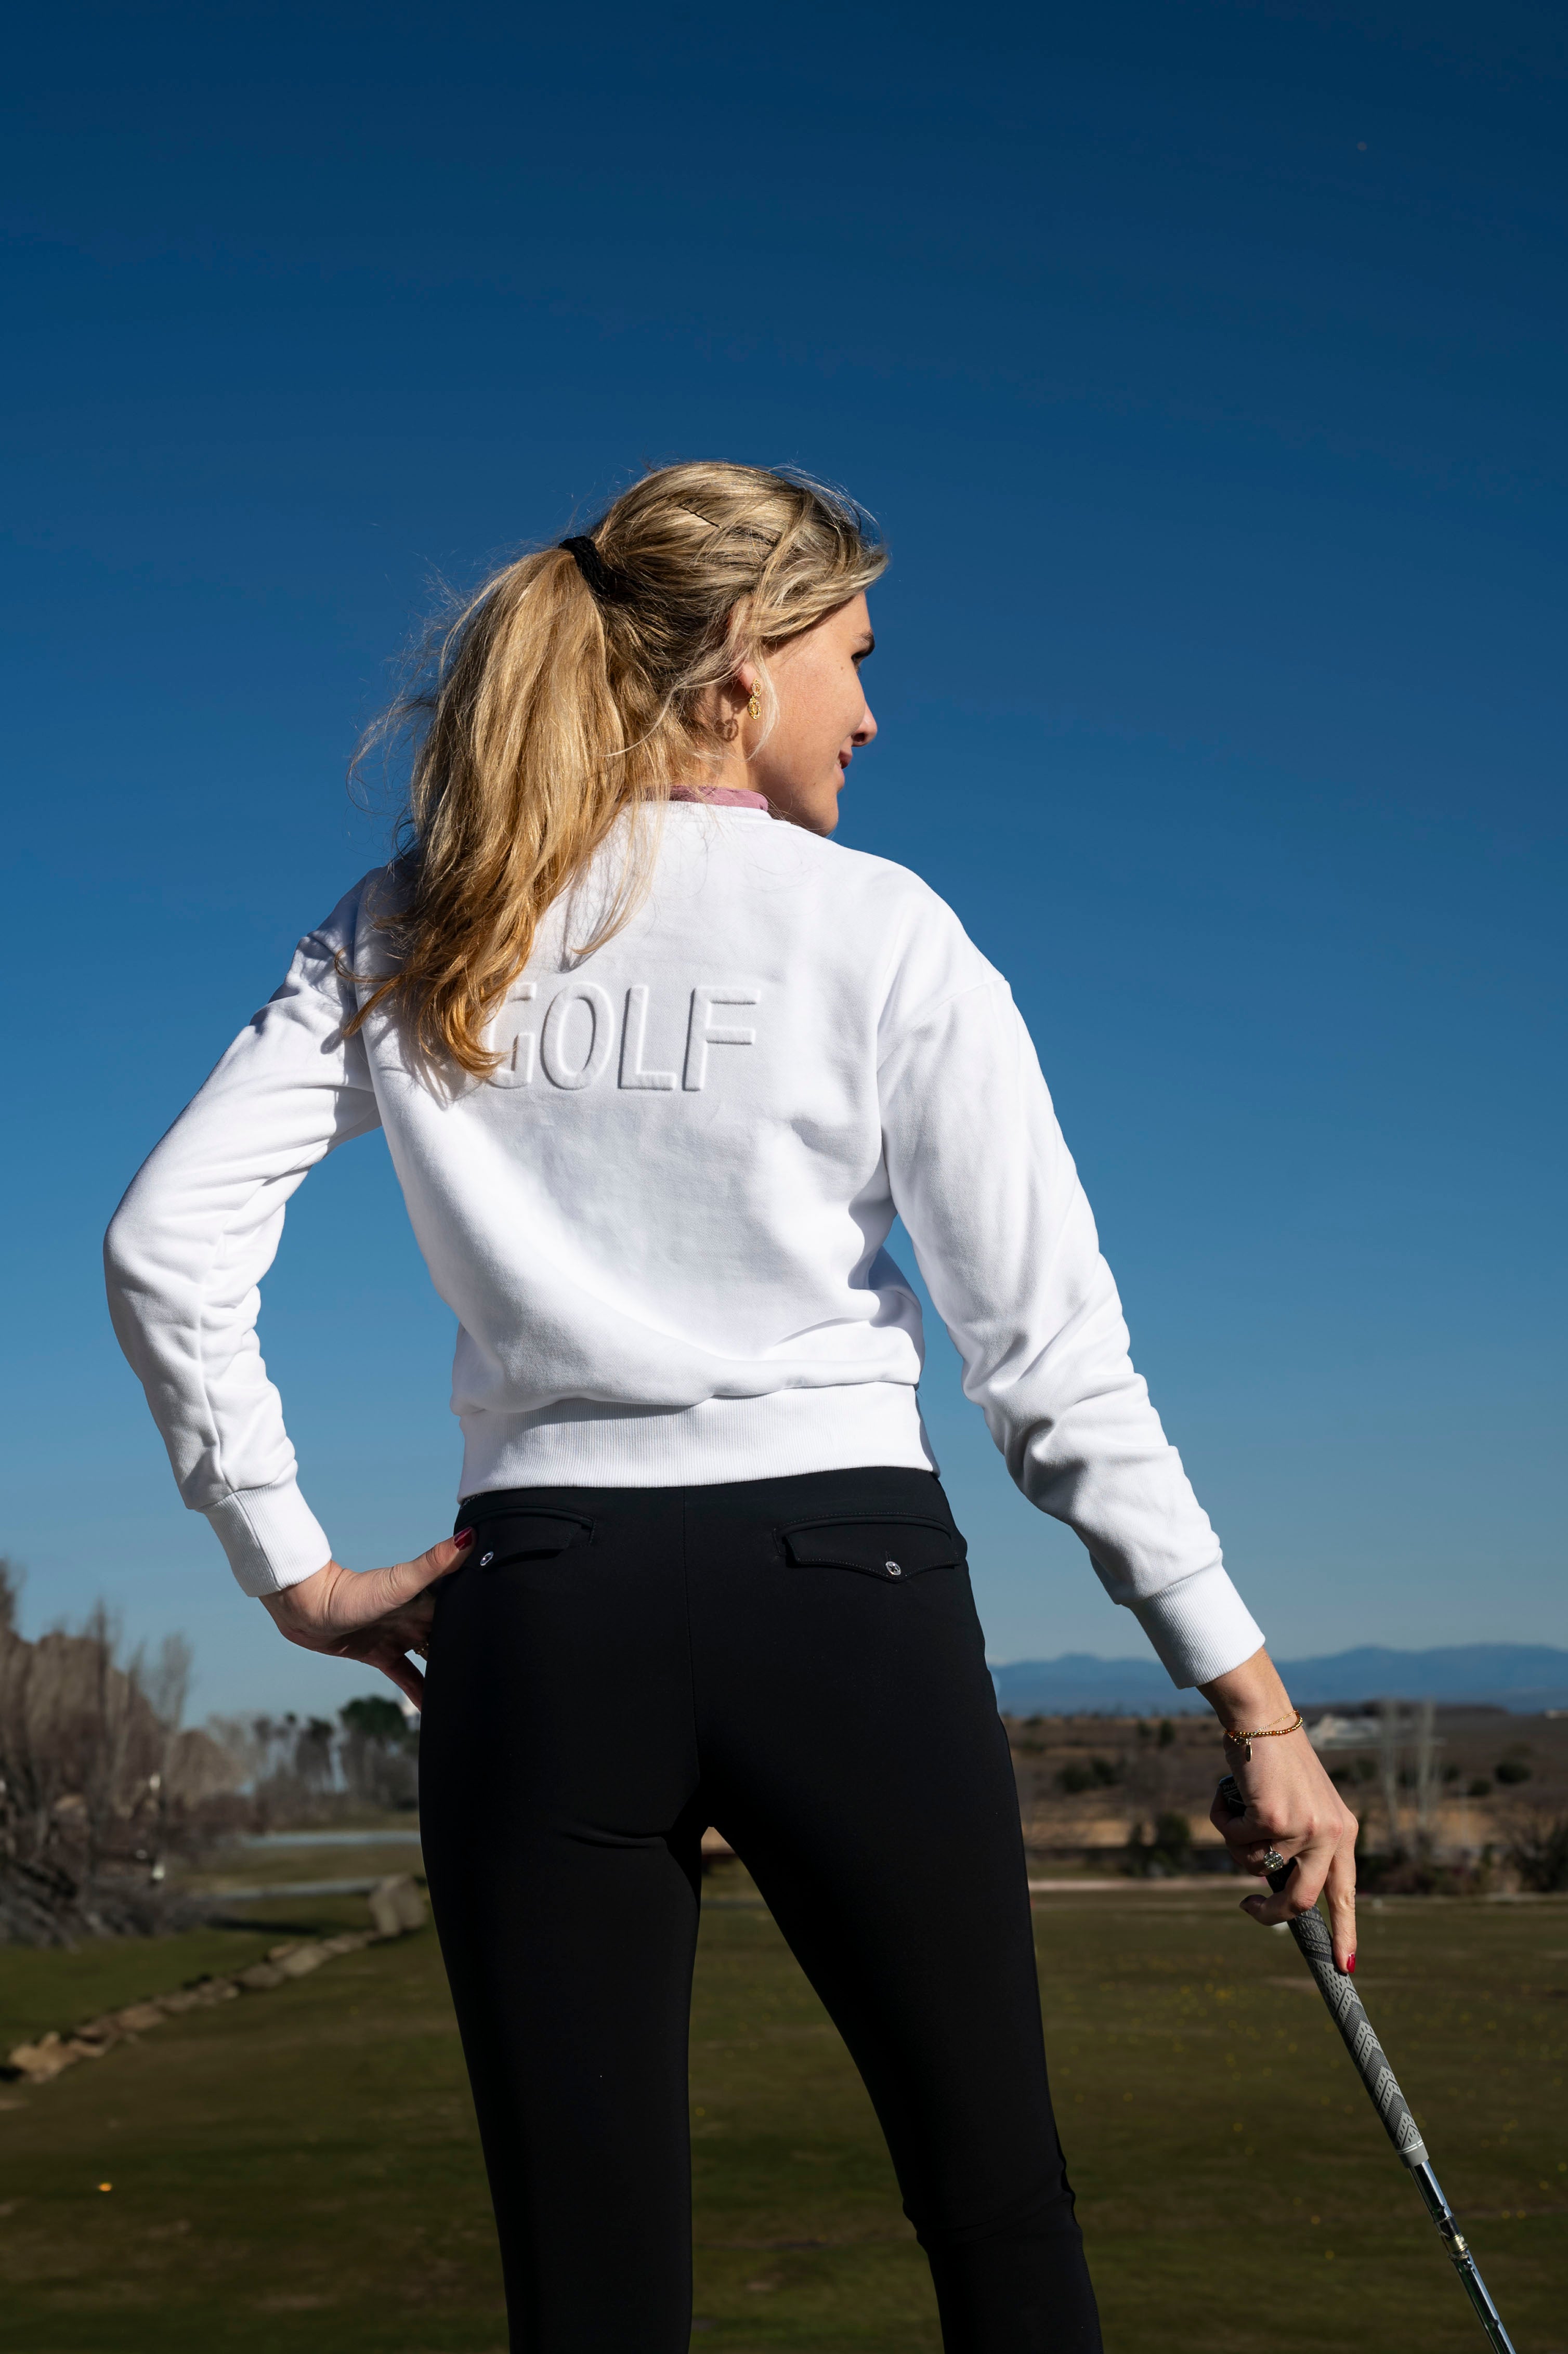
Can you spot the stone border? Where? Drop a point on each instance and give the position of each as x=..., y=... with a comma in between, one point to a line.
x=397, y=1908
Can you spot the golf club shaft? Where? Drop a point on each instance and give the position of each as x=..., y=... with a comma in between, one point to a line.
x=1349, y=2014
x=1459, y=2254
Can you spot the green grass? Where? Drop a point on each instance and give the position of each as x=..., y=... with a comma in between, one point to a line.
x=261, y=1868
x=300, y=2166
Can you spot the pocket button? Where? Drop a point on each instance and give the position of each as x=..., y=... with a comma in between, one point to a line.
x=892, y=1569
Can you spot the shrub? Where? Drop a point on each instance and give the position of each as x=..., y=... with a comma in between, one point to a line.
x=1512, y=1771
x=1480, y=1787
x=1173, y=1837
x=1169, y=1850
x=1539, y=1853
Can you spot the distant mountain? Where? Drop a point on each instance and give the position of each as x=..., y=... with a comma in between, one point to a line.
x=1524, y=1678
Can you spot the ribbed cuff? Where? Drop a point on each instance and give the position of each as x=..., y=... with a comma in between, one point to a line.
x=272, y=1537
x=1200, y=1628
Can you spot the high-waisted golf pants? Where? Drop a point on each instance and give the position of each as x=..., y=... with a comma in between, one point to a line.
x=797, y=1661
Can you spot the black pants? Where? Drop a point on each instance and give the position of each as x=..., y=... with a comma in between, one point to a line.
x=799, y=1662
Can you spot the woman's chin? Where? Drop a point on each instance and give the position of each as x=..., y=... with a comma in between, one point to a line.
x=816, y=809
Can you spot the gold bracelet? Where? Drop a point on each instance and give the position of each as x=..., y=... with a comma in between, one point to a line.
x=1243, y=1741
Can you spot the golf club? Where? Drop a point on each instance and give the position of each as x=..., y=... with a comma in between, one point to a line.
x=1339, y=1992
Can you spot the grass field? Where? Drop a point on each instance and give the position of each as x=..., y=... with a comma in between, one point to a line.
x=300, y=2167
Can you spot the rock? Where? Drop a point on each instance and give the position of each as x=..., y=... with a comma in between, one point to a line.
x=199, y=1996
x=137, y=2018
x=45, y=2058
x=298, y=1956
x=301, y=1959
x=102, y=2031
x=397, y=1907
x=258, y=1977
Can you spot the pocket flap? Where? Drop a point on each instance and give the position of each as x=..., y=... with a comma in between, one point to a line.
x=883, y=1547
x=528, y=1536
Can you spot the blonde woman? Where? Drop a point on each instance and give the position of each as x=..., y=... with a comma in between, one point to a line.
x=658, y=1065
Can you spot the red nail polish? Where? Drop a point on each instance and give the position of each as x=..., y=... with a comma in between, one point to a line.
x=1351, y=1968
x=463, y=1538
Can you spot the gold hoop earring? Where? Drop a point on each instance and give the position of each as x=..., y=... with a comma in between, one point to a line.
x=755, y=704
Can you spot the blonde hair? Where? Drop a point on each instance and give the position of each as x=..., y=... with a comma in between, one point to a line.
x=543, y=708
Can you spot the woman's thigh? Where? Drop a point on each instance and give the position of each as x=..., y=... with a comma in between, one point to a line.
x=561, y=1824
x=854, y=1755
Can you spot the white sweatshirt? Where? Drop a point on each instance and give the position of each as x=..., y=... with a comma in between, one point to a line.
x=661, y=1222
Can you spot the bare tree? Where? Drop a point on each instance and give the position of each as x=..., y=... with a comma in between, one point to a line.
x=1391, y=1720
x=92, y=1765
x=1427, y=1745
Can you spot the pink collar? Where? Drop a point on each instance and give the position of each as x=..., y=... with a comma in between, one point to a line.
x=718, y=797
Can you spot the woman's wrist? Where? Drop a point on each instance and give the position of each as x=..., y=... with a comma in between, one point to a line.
x=1251, y=1698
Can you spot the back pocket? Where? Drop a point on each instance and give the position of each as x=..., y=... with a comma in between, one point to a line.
x=887, y=1547
x=528, y=1536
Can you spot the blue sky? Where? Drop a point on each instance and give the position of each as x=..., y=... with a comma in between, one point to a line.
x=1206, y=364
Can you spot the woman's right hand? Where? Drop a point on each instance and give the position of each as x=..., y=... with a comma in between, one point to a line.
x=376, y=1616
x=1291, y=1807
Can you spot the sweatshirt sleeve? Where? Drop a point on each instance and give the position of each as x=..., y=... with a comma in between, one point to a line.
x=987, y=1188
x=198, y=1231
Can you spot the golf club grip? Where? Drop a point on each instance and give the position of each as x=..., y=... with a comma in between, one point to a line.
x=1317, y=1950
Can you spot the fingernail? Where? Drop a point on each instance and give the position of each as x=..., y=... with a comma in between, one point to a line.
x=463, y=1538
x=1351, y=1968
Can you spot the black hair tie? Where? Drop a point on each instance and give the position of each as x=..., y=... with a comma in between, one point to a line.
x=611, y=588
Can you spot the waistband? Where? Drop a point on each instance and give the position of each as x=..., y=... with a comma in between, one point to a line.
x=716, y=1443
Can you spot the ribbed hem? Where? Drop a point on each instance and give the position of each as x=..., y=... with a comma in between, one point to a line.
x=1200, y=1626
x=584, y=1446
x=272, y=1537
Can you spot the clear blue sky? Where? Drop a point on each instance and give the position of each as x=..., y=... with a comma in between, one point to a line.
x=1206, y=365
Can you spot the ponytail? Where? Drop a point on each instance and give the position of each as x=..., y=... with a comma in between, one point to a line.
x=547, y=706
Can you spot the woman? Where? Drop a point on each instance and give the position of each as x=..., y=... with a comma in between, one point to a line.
x=658, y=1065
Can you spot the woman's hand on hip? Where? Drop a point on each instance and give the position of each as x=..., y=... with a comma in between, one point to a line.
x=377, y=1616
x=1292, y=1808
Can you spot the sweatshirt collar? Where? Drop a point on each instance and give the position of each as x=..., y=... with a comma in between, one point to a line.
x=719, y=797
